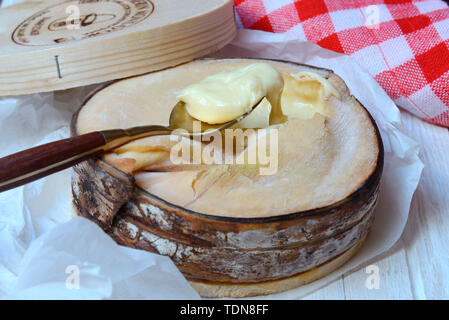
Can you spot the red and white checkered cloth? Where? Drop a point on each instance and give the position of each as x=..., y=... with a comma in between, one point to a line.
x=404, y=44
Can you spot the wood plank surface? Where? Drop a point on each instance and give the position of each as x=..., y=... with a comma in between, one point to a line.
x=426, y=236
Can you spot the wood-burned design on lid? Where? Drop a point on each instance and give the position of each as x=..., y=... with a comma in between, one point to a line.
x=74, y=20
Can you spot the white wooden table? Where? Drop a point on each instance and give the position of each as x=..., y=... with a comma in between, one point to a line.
x=417, y=267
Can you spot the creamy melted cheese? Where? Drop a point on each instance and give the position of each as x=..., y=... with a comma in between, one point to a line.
x=305, y=93
x=225, y=96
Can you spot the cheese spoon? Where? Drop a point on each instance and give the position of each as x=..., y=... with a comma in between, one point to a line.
x=35, y=163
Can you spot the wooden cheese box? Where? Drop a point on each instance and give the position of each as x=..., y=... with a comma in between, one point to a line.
x=54, y=45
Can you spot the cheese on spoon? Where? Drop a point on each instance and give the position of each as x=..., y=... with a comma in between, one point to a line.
x=225, y=96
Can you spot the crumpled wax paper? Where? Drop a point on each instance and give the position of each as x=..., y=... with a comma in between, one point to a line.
x=43, y=251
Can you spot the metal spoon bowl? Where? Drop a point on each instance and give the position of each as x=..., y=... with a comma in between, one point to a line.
x=181, y=119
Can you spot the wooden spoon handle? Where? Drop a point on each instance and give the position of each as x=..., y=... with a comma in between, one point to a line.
x=32, y=164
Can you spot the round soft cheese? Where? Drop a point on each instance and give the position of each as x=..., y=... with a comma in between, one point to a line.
x=321, y=158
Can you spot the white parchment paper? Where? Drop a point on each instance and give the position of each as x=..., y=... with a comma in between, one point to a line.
x=43, y=251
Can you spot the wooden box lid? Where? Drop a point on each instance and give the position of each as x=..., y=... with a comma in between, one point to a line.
x=51, y=45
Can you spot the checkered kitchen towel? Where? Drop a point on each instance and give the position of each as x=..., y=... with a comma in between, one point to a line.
x=404, y=44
